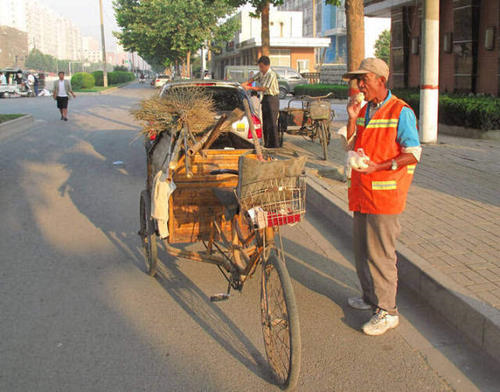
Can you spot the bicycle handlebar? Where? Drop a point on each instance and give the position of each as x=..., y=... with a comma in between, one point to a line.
x=317, y=98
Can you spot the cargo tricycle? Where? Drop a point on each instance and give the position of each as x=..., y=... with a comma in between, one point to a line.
x=233, y=203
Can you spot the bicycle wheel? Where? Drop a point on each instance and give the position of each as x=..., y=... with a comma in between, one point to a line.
x=147, y=234
x=324, y=138
x=280, y=321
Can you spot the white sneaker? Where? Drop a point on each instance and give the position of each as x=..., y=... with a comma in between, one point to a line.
x=380, y=323
x=358, y=303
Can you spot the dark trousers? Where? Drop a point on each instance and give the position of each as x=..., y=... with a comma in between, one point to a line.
x=270, y=112
x=375, y=258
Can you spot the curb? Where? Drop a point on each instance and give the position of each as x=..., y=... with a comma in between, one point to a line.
x=26, y=120
x=111, y=89
x=477, y=320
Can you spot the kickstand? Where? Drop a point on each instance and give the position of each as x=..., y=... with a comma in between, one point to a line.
x=221, y=296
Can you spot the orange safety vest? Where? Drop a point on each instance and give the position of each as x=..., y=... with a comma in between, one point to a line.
x=381, y=192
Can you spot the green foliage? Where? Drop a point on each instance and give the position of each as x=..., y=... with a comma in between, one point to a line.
x=99, y=81
x=8, y=117
x=478, y=112
x=383, y=46
x=120, y=68
x=114, y=77
x=117, y=77
x=340, y=91
x=82, y=80
x=163, y=31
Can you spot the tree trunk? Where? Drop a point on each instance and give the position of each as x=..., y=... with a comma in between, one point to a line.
x=264, y=16
x=354, y=10
x=188, y=64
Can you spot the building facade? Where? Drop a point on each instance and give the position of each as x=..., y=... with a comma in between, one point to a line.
x=329, y=22
x=13, y=47
x=288, y=45
x=469, y=48
x=46, y=30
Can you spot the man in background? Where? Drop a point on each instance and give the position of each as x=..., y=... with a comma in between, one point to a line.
x=62, y=88
x=268, y=81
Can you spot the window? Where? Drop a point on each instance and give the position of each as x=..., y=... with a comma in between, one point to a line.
x=280, y=57
x=302, y=66
x=489, y=38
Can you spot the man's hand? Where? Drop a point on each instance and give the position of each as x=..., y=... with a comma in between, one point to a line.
x=372, y=167
x=353, y=108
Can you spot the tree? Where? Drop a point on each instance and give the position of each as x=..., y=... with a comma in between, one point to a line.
x=383, y=46
x=355, y=12
x=168, y=31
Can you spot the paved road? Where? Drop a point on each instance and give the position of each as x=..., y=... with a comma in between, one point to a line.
x=79, y=314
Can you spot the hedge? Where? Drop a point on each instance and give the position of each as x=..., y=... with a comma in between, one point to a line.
x=472, y=111
x=114, y=77
x=82, y=80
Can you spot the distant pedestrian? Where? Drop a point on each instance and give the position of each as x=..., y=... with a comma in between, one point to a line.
x=270, y=102
x=62, y=88
x=36, y=84
x=386, y=129
x=3, y=79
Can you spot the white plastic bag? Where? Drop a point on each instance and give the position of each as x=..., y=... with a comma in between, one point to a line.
x=358, y=160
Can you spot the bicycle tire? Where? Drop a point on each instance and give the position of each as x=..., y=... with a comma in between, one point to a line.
x=147, y=234
x=323, y=138
x=284, y=360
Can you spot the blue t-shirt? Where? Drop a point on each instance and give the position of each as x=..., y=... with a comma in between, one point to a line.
x=407, y=125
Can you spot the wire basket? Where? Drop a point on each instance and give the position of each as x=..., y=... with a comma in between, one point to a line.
x=274, y=202
x=319, y=110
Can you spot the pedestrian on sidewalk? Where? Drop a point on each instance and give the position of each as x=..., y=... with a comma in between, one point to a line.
x=270, y=102
x=386, y=129
x=62, y=88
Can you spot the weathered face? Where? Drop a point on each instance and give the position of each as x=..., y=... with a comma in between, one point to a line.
x=263, y=68
x=371, y=85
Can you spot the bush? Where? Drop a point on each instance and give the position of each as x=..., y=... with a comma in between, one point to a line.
x=479, y=112
x=82, y=80
x=340, y=91
x=98, y=78
x=114, y=77
x=120, y=68
x=117, y=77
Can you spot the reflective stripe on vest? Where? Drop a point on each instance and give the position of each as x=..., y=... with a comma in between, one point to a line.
x=384, y=185
x=383, y=123
x=411, y=169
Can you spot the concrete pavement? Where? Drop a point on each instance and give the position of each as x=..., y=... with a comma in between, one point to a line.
x=79, y=314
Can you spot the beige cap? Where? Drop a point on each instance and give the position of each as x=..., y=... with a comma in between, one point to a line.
x=369, y=65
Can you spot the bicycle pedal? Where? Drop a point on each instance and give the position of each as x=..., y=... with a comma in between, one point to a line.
x=219, y=297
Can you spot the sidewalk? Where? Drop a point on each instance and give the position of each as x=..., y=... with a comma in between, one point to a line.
x=451, y=224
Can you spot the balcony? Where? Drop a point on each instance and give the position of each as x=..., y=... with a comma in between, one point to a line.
x=382, y=8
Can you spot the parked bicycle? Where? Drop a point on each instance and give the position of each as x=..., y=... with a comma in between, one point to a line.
x=311, y=120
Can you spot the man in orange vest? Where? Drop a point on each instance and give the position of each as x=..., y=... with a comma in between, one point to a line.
x=386, y=130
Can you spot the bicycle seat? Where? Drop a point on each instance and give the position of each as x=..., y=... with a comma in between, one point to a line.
x=228, y=199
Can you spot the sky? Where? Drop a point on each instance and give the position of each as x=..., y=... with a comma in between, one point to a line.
x=85, y=15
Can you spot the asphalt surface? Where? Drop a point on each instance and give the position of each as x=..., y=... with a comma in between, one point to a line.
x=78, y=313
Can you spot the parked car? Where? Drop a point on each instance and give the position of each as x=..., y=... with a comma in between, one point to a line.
x=288, y=78
x=160, y=80
x=227, y=97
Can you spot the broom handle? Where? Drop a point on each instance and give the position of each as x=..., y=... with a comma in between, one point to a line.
x=256, y=143
x=199, y=145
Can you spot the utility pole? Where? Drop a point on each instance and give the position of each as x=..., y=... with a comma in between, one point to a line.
x=104, y=71
x=429, y=80
x=314, y=17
